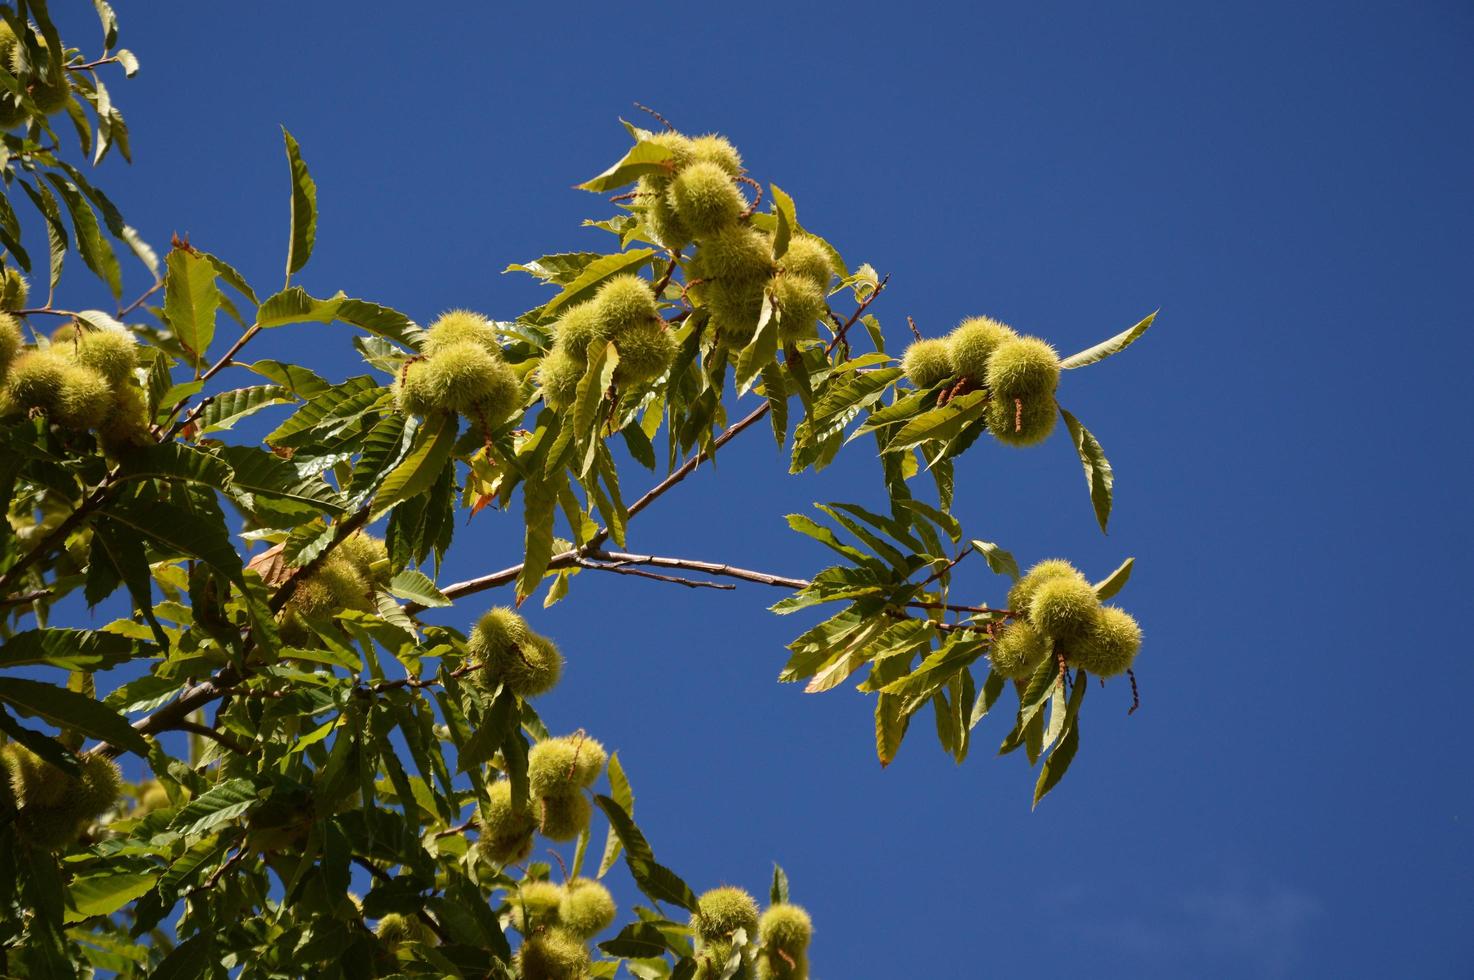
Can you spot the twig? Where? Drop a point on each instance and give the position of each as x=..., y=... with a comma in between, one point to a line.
x=664, y=121
x=43, y=311
x=208, y=732
x=24, y=598
x=710, y=568
x=213, y=370
x=859, y=311
x=912, y=324
x=673, y=579
x=140, y=300
x=670, y=270
x=88, y=66
x=458, y=829
x=185, y=422
x=1135, y=695
x=948, y=567
x=758, y=199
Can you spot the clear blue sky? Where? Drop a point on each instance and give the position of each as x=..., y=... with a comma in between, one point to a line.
x=1289, y=183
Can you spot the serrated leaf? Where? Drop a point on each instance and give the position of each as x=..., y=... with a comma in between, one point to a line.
x=180, y=531
x=217, y=805
x=1064, y=753
x=1000, y=561
x=623, y=794
x=1114, y=582
x=381, y=321
x=891, y=721
x=191, y=299
x=295, y=305
x=229, y=407
x=594, y=275
x=69, y=649
x=1106, y=348
x=561, y=268
x=939, y=423
x=414, y=586
x=258, y=472
x=106, y=892
x=421, y=467
x=760, y=350
x=93, y=246
x=1098, y=475
x=642, y=159
x=655, y=880
x=787, y=220
x=304, y=208
x=71, y=711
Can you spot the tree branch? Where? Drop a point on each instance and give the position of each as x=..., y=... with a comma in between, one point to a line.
x=674, y=579
x=210, y=733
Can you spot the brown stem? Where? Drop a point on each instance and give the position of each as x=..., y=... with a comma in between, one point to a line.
x=210, y=733
x=211, y=371
x=670, y=270
x=663, y=121
x=140, y=300
x=89, y=65
x=758, y=199
x=1135, y=695
x=673, y=579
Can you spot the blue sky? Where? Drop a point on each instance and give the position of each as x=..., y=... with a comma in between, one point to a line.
x=1289, y=183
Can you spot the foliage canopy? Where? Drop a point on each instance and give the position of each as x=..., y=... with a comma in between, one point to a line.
x=294, y=717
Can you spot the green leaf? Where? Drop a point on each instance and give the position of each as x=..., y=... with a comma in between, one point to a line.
x=589, y=396
x=655, y=880
x=778, y=892
x=96, y=252
x=638, y=940
x=940, y=423
x=787, y=220
x=187, y=961
x=56, y=231
x=421, y=467
x=382, y=321
x=105, y=893
x=561, y=268
x=233, y=278
x=594, y=275
x=624, y=795
x=539, y=501
x=295, y=305
x=1098, y=475
x=934, y=671
x=1114, y=582
x=1064, y=753
x=304, y=208
x=180, y=531
x=175, y=461
x=1106, y=348
x=229, y=407
x=760, y=350
x=298, y=380
x=414, y=586
x=217, y=805
x=642, y=159
x=68, y=710
x=261, y=473
x=332, y=403
x=69, y=649
x=891, y=721
x=1000, y=561
x=191, y=299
